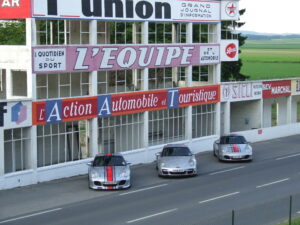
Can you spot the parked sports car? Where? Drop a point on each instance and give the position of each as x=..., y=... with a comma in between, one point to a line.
x=109, y=171
x=233, y=148
x=176, y=160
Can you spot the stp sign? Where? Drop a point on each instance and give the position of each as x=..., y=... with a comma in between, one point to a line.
x=15, y=9
x=229, y=50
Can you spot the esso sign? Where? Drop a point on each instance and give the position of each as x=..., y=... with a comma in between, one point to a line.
x=231, y=50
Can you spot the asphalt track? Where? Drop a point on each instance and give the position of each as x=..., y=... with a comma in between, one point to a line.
x=258, y=192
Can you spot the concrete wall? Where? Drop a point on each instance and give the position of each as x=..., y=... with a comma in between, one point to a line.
x=245, y=115
x=14, y=57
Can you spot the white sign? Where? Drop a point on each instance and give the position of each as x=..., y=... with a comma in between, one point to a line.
x=230, y=10
x=129, y=10
x=229, y=50
x=49, y=59
x=209, y=54
x=16, y=114
x=241, y=91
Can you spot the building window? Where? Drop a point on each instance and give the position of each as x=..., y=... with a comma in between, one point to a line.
x=2, y=84
x=274, y=114
x=62, y=85
x=63, y=142
x=160, y=33
x=120, y=81
x=166, y=126
x=119, y=32
x=181, y=32
x=17, y=145
x=204, y=33
x=201, y=73
x=19, y=83
x=298, y=112
x=120, y=133
x=203, y=120
x=160, y=78
x=62, y=32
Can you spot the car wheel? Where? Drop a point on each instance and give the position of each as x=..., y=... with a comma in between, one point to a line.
x=215, y=155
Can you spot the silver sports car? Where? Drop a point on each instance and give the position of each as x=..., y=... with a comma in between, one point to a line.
x=176, y=160
x=233, y=148
x=109, y=171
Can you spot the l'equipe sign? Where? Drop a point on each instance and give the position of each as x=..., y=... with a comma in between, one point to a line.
x=129, y=10
x=120, y=57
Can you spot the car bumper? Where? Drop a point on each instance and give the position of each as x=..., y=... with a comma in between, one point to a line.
x=236, y=157
x=102, y=185
x=166, y=172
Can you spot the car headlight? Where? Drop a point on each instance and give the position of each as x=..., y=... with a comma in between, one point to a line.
x=124, y=174
x=248, y=149
x=226, y=150
x=192, y=162
x=94, y=175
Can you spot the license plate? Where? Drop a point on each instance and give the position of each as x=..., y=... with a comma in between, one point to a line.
x=237, y=157
x=178, y=171
x=110, y=183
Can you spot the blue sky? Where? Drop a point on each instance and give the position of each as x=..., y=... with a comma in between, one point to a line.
x=271, y=16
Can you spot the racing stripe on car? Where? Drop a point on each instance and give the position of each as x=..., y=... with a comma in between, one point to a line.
x=236, y=148
x=109, y=172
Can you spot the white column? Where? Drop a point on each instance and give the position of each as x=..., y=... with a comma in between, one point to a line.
x=289, y=110
x=8, y=84
x=93, y=123
x=145, y=37
x=188, y=111
x=227, y=118
x=31, y=41
x=1, y=153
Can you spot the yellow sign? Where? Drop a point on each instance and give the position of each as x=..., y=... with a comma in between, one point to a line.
x=295, y=87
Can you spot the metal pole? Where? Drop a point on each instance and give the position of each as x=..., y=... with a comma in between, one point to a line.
x=232, y=217
x=290, y=215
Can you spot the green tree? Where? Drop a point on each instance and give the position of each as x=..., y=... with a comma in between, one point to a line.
x=13, y=32
x=231, y=71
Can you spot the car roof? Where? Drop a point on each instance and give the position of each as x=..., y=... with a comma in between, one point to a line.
x=109, y=154
x=175, y=145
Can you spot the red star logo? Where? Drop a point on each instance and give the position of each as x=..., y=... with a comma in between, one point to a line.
x=231, y=9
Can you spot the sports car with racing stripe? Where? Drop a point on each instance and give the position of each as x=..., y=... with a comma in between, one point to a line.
x=109, y=172
x=232, y=148
x=176, y=160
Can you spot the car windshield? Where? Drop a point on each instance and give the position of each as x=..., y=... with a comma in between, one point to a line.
x=233, y=140
x=109, y=161
x=176, y=151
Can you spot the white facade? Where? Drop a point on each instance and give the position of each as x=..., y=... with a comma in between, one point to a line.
x=98, y=85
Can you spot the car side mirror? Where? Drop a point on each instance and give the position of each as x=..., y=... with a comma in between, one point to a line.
x=128, y=163
x=158, y=154
x=217, y=142
x=90, y=164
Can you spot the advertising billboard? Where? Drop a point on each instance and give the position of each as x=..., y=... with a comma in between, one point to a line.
x=229, y=50
x=15, y=9
x=230, y=10
x=241, y=91
x=72, y=109
x=276, y=89
x=129, y=10
x=119, y=57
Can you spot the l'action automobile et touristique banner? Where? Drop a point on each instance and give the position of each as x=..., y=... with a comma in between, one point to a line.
x=118, y=57
x=276, y=89
x=129, y=10
x=15, y=9
x=71, y=109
